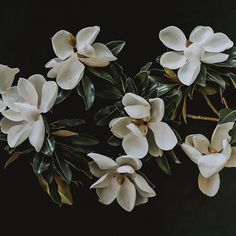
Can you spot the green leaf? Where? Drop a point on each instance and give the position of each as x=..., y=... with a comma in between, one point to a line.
x=104, y=116
x=3, y=137
x=48, y=146
x=172, y=155
x=101, y=73
x=227, y=115
x=62, y=168
x=232, y=134
x=54, y=194
x=114, y=141
x=110, y=92
x=87, y=91
x=141, y=80
x=201, y=78
x=232, y=77
x=163, y=164
x=231, y=61
x=215, y=77
x=164, y=88
x=116, y=47
x=63, y=94
x=40, y=164
x=146, y=67
x=130, y=86
x=81, y=139
x=67, y=123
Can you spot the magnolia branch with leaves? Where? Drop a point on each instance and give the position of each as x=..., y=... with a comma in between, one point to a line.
x=142, y=116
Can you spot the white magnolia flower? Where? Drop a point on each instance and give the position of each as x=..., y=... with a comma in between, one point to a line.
x=26, y=102
x=211, y=157
x=72, y=52
x=118, y=180
x=7, y=76
x=203, y=46
x=143, y=130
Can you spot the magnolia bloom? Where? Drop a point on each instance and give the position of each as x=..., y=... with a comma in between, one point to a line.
x=203, y=46
x=118, y=180
x=26, y=102
x=211, y=157
x=7, y=76
x=143, y=130
x=73, y=52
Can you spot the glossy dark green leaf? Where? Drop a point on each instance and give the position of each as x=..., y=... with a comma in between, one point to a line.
x=40, y=163
x=190, y=91
x=54, y=194
x=62, y=95
x=109, y=92
x=104, y=116
x=141, y=80
x=101, y=73
x=67, y=123
x=231, y=61
x=48, y=175
x=173, y=156
x=80, y=140
x=48, y=146
x=116, y=47
x=232, y=134
x=146, y=67
x=215, y=77
x=114, y=141
x=164, y=88
x=87, y=91
x=163, y=164
x=130, y=86
x=201, y=78
x=232, y=77
x=227, y=115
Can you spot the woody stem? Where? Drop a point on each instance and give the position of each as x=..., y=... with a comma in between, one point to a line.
x=206, y=118
x=210, y=104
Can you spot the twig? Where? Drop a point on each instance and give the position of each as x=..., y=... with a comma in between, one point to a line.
x=225, y=102
x=209, y=103
x=195, y=117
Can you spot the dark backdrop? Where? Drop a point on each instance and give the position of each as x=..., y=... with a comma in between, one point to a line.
x=179, y=208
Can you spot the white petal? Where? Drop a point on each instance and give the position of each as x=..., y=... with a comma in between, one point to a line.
x=127, y=195
x=135, y=145
x=7, y=76
x=232, y=161
x=2, y=105
x=101, y=58
x=157, y=109
x=70, y=73
x=220, y=133
x=37, y=135
x=104, y=181
x=191, y=152
x=26, y=90
x=49, y=96
x=7, y=124
x=138, y=111
x=140, y=199
x=95, y=170
x=172, y=60
x=125, y=169
x=28, y=112
x=189, y=72
x=12, y=115
x=209, y=186
x=61, y=44
x=53, y=62
x=119, y=126
x=18, y=134
x=102, y=161
x=56, y=65
x=218, y=42
x=134, y=129
x=194, y=53
x=108, y=194
x=172, y=37
x=142, y=186
x=164, y=136
x=154, y=150
x=132, y=99
x=214, y=57
x=200, y=34
x=129, y=160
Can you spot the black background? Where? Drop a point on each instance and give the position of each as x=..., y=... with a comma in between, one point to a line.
x=179, y=208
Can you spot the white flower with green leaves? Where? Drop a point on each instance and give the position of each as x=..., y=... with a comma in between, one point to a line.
x=73, y=52
x=119, y=180
x=211, y=157
x=143, y=130
x=26, y=102
x=203, y=45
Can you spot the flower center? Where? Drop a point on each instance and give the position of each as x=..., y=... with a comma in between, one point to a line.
x=212, y=150
x=120, y=179
x=72, y=40
x=188, y=43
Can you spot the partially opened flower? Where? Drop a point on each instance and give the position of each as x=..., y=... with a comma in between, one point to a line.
x=203, y=45
x=26, y=102
x=143, y=130
x=119, y=180
x=211, y=157
x=7, y=76
x=75, y=51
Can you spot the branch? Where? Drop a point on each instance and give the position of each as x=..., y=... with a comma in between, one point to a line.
x=209, y=103
x=206, y=118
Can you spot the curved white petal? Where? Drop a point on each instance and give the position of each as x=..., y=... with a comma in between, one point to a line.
x=12, y=115
x=191, y=152
x=37, y=134
x=194, y=53
x=157, y=109
x=172, y=60
x=153, y=150
x=232, y=160
x=7, y=76
x=27, y=91
x=219, y=134
x=209, y=186
x=218, y=42
x=61, y=44
x=138, y=111
x=102, y=182
x=28, y=112
x=2, y=105
x=49, y=96
x=95, y=170
x=134, y=129
x=214, y=57
x=164, y=136
x=119, y=126
x=140, y=199
x=126, y=169
x=53, y=62
x=132, y=99
x=127, y=195
x=70, y=73
x=135, y=145
x=200, y=34
x=129, y=160
x=6, y=124
x=172, y=37
x=189, y=72
x=102, y=161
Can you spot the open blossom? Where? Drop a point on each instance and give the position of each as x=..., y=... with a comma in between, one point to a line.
x=203, y=45
x=119, y=180
x=25, y=103
x=7, y=76
x=143, y=130
x=73, y=52
x=211, y=157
